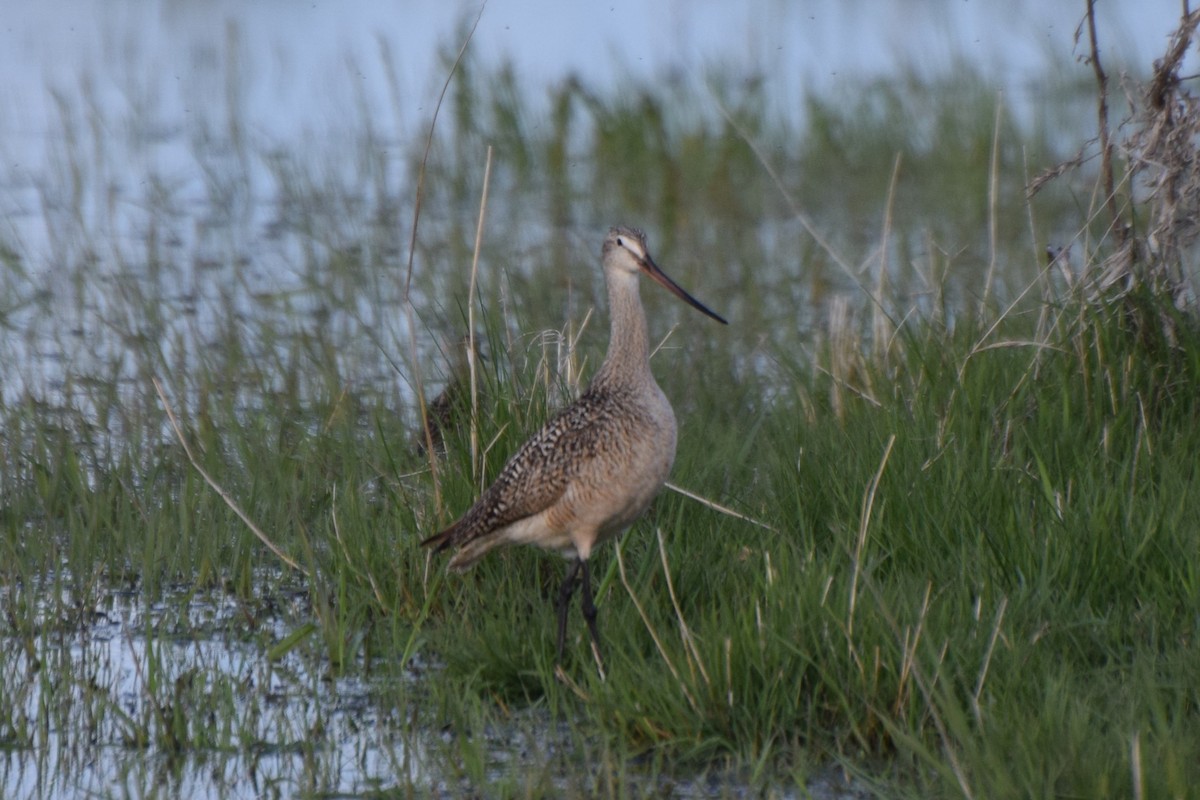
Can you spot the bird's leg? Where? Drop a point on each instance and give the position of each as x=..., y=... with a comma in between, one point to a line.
x=564, y=603
x=589, y=615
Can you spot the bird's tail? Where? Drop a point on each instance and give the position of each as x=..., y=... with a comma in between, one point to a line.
x=470, y=549
x=440, y=540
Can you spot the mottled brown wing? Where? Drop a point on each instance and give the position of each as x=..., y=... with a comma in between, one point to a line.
x=541, y=470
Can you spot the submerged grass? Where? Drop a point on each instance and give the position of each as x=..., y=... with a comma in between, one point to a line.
x=969, y=565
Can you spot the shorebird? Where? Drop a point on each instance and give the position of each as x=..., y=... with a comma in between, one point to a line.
x=594, y=468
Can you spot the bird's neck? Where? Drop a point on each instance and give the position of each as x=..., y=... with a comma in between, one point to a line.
x=628, y=358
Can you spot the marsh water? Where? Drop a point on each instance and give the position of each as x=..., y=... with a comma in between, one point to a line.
x=191, y=158
x=293, y=721
x=165, y=164
x=109, y=690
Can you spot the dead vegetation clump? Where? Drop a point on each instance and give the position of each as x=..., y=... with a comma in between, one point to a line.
x=1152, y=204
x=1164, y=156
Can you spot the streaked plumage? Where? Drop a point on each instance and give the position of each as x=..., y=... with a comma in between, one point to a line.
x=597, y=465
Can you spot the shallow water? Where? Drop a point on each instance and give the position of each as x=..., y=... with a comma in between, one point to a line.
x=166, y=161
x=185, y=698
x=179, y=699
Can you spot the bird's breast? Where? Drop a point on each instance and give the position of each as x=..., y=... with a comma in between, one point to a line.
x=631, y=464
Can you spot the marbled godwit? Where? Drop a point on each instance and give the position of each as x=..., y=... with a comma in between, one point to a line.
x=595, y=467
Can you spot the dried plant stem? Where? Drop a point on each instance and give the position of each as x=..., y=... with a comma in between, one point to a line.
x=471, y=351
x=717, y=506
x=1106, y=148
x=662, y=651
x=562, y=677
x=882, y=325
x=908, y=649
x=337, y=534
x=868, y=505
x=987, y=660
x=410, y=312
x=926, y=686
x=993, y=215
x=685, y=633
x=797, y=212
x=1135, y=766
x=216, y=487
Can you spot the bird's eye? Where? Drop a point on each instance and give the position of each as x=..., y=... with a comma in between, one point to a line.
x=620, y=243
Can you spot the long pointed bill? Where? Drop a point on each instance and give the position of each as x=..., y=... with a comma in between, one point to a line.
x=674, y=288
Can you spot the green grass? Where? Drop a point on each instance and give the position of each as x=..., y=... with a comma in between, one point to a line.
x=1017, y=609
x=978, y=570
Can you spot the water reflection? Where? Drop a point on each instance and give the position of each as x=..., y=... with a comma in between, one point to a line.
x=169, y=176
x=177, y=698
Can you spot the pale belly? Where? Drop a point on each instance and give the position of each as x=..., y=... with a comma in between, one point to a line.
x=614, y=489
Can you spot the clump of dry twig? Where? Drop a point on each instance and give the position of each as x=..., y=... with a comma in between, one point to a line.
x=1164, y=157
x=1152, y=237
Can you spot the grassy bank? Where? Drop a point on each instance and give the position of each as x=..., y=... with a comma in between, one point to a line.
x=980, y=567
x=963, y=560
